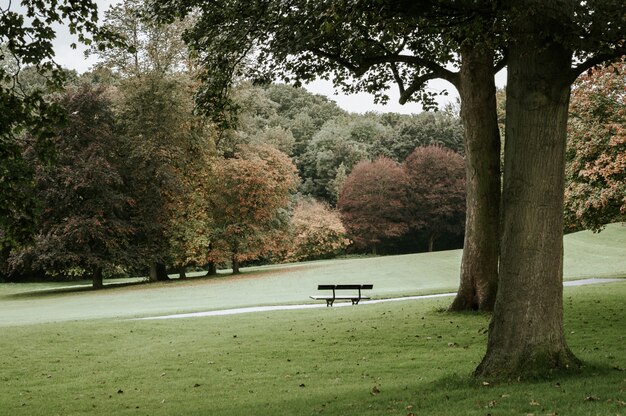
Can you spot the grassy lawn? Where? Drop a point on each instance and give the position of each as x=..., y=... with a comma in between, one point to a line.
x=399, y=358
x=586, y=255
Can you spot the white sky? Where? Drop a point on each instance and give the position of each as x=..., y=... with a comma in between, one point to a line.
x=357, y=103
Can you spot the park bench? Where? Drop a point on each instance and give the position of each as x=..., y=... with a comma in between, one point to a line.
x=354, y=297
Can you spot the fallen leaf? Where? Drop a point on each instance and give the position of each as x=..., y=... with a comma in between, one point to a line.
x=591, y=399
x=302, y=385
x=120, y=391
x=534, y=403
x=197, y=385
x=375, y=391
x=486, y=383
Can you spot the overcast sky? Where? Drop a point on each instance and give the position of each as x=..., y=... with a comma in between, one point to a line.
x=358, y=103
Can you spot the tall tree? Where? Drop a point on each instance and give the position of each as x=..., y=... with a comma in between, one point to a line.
x=372, y=202
x=85, y=226
x=595, y=174
x=250, y=194
x=366, y=46
x=436, y=196
x=526, y=332
x=155, y=107
x=27, y=32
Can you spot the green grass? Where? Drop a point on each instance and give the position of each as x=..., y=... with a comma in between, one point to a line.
x=586, y=255
x=384, y=359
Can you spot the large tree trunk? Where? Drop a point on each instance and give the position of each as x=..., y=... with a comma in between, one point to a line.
x=97, y=279
x=526, y=334
x=158, y=272
x=479, y=264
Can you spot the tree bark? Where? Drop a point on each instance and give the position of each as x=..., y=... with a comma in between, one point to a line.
x=431, y=242
x=526, y=335
x=158, y=272
x=479, y=264
x=182, y=272
x=212, y=269
x=97, y=278
x=235, y=262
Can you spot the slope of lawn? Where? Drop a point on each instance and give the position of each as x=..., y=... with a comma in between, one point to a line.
x=399, y=358
x=586, y=255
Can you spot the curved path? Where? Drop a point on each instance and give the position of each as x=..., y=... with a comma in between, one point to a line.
x=341, y=304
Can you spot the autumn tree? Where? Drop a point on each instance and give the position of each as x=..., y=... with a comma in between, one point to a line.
x=249, y=197
x=436, y=192
x=372, y=202
x=595, y=175
x=316, y=232
x=85, y=228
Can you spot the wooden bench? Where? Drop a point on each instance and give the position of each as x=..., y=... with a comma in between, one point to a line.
x=355, y=298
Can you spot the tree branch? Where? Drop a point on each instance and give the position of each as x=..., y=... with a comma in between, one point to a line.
x=595, y=60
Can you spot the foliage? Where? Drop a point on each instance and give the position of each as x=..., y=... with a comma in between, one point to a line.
x=372, y=202
x=27, y=33
x=85, y=226
x=316, y=232
x=335, y=149
x=595, y=192
x=249, y=196
x=436, y=192
x=421, y=130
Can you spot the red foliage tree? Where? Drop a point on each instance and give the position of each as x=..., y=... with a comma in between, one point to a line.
x=250, y=194
x=436, y=192
x=372, y=202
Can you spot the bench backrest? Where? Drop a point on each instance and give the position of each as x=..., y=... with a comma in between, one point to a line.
x=345, y=287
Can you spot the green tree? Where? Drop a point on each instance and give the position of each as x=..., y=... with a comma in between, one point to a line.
x=27, y=32
x=164, y=141
x=85, y=227
x=595, y=174
x=421, y=130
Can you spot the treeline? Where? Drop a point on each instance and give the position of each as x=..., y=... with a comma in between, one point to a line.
x=135, y=182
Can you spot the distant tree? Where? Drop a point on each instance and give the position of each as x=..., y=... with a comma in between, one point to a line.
x=334, y=150
x=316, y=232
x=372, y=202
x=595, y=181
x=420, y=130
x=436, y=192
x=250, y=195
x=85, y=228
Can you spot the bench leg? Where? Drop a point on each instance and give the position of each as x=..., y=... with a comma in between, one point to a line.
x=329, y=302
x=355, y=301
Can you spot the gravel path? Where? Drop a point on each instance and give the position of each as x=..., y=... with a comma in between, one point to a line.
x=236, y=311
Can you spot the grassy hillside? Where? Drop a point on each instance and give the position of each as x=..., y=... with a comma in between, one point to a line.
x=586, y=255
